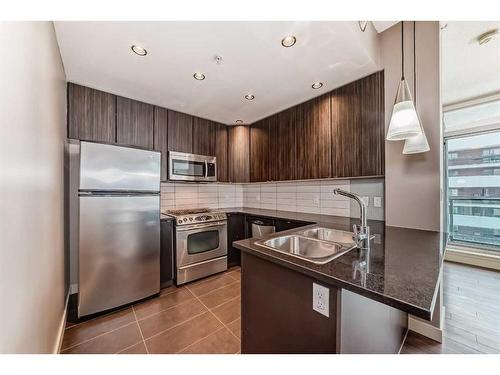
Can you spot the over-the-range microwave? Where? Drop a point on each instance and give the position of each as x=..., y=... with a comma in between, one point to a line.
x=191, y=167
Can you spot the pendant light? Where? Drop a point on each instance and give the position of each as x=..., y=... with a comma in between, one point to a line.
x=418, y=143
x=404, y=120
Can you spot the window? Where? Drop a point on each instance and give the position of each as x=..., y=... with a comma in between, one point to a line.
x=472, y=117
x=473, y=190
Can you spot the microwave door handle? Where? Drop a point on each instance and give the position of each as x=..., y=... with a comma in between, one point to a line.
x=206, y=169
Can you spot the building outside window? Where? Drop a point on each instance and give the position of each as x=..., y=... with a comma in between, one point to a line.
x=472, y=157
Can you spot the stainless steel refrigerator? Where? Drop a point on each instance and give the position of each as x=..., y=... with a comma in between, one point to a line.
x=118, y=226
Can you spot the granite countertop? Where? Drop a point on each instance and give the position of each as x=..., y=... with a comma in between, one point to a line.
x=404, y=264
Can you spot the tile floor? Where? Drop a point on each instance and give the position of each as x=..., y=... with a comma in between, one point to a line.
x=199, y=317
x=204, y=317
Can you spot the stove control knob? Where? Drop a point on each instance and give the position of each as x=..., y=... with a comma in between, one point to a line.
x=179, y=221
x=185, y=219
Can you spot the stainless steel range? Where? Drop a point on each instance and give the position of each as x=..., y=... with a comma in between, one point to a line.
x=201, y=243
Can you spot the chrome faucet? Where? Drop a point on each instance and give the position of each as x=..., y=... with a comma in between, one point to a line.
x=361, y=232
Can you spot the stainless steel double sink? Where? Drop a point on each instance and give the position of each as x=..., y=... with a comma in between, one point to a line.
x=317, y=245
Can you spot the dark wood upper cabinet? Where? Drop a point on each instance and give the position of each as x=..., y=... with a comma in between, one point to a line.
x=221, y=152
x=91, y=114
x=203, y=137
x=358, y=123
x=180, y=132
x=339, y=134
x=238, y=153
x=259, y=151
x=313, y=134
x=134, y=123
x=347, y=112
x=282, y=144
x=372, y=125
x=160, y=141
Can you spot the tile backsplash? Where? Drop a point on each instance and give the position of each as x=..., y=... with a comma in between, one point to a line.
x=314, y=196
x=180, y=195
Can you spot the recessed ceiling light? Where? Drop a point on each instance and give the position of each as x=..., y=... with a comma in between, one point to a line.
x=238, y=122
x=139, y=50
x=317, y=85
x=487, y=36
x=249, y=97
x=288, y=41
x=199, y=76
x=218, y=59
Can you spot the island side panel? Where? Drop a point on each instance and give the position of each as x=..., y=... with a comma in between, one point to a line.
x=370, y=327
x=277, y=314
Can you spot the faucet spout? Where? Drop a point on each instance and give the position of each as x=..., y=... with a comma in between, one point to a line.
x=357, y=198
x=361, y=233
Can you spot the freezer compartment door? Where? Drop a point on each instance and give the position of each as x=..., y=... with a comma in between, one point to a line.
x=113, y=168
x=119, y=251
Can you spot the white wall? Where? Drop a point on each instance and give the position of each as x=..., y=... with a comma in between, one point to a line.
x=32, y=134
x=412, y=182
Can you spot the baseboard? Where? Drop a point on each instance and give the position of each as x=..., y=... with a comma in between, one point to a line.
x=62, y=326
x=472, y=257
x=425, y=329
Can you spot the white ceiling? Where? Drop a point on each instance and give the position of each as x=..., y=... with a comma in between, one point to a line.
x=98, y=55
x=469, y=70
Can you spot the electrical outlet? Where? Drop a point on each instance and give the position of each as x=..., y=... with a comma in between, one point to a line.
x=321, y=299
x=316, y=200
x=377, y=201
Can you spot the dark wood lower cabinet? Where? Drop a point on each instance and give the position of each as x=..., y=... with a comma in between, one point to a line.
x=276, y=311
x=166, y=252
x=281, y=225
x=235, y=232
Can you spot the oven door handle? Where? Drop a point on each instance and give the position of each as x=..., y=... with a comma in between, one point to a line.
x=200, y=226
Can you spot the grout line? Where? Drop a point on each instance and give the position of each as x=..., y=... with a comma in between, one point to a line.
x=203, y=338
x=176, y=325
x=148, y=316
x=223, y=303
x=217, y=289
x=95, y=337
x=140, y=330
x=128, y=347
x=215, y=316
x=97, y=317
x=166, y=309
x=189, y=300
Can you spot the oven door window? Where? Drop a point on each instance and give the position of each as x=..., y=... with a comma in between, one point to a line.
x=188, y=168
x=201, y=242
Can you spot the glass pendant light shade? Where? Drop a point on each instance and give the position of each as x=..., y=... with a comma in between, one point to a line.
x=417, y=144
x=404, y=120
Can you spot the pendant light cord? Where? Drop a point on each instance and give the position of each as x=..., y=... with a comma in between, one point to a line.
x=402, y=50
x=414, y=66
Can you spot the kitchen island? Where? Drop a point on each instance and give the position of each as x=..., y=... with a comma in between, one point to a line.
x=370, y=292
